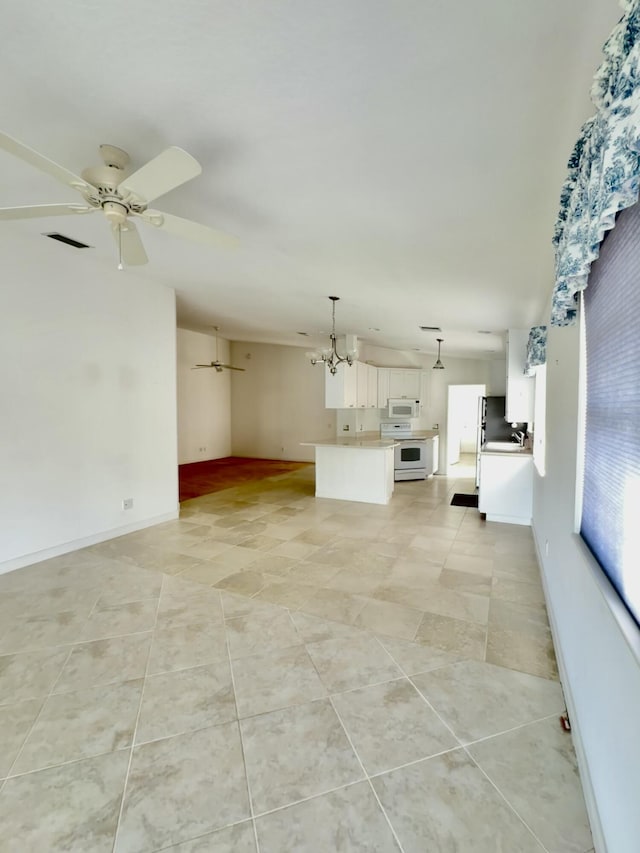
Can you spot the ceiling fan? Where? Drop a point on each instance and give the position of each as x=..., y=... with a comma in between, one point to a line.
x=219, y=367
x=120, y=194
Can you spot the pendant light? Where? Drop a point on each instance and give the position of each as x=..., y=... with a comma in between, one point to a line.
x=330, y=355
x=439, y=365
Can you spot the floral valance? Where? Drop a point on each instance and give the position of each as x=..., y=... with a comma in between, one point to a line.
x=536, y=349
x=604, y=168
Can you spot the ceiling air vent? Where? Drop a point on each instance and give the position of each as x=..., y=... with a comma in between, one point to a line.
x=430, y=328
x=68, y=240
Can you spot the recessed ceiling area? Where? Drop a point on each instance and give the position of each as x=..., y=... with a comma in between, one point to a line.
x=406, y=156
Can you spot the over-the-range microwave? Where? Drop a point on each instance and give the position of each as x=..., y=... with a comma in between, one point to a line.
x=400, y=407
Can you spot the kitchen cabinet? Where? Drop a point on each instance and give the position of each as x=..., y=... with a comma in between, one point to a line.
x=425, y=387
x=366, y=385
x=351, y=387
x=341, y=388
x=399, y=382
x=435, y=451
x=352, y=470
x=372, y=382
x=520, y=388
x=404, y=383
x=383, y=387
x=506, y=487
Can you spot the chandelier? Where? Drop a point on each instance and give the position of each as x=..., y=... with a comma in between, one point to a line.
x=330, y=355
x=439, y=365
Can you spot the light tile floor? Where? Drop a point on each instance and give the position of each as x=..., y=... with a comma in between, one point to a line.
x=273, y=673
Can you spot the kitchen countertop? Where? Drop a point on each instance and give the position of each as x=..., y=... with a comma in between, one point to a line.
x=353, y=443
x=425, y=433
x=524, y=451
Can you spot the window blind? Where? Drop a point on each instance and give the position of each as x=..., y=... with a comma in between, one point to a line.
x=610, y=522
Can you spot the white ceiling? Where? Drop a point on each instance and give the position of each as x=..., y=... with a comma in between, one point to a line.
x=405, y=155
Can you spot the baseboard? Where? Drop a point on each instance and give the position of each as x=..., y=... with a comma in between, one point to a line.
x=76, y=544
x=595, y=823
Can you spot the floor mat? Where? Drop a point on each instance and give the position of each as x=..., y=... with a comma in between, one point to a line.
x=464, y=500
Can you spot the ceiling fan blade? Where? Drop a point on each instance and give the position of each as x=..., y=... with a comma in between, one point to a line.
x=231, y=367
x=201, y=365
x=188, y=229
x=34, y=211
x=133, y=253
x=18, y=149
x=164, y=173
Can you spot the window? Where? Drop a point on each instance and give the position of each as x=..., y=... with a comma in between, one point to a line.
x=610, y=522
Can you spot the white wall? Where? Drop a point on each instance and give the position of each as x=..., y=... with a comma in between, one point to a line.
x=87, y=412
x=600, y=673
x=497, y=385
x=277, y=403
x=204, y=399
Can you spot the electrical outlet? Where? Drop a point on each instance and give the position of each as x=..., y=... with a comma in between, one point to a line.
x=127, y=503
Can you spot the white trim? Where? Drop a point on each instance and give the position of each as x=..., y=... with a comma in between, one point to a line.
x=581, y=439
x=624, y=620
x=591, y=802
x=509, y=519
x=76, y=544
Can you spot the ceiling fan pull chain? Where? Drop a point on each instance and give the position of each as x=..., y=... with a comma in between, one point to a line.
x=120, y=266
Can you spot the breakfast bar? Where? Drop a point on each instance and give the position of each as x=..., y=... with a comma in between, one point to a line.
x=351, y=469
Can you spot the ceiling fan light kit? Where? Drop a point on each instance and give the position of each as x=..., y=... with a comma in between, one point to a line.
x=329, y=355
x=120, y=195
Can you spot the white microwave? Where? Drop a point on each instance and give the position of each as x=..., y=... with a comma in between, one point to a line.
x=401, y=407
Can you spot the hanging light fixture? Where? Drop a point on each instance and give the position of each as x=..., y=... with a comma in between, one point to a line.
x=330, y=355
x=439, y=365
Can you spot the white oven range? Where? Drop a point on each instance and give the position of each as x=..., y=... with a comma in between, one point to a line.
x=410, y=455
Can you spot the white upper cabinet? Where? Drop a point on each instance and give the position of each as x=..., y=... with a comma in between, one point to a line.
x=372, y=382
x=383, y=387
x=367, y=385
x=352, y=387
x=425, y=388
x=404, y=383
x=341, y=388
x=398, y=382
x=362, y=383
x=520, y=388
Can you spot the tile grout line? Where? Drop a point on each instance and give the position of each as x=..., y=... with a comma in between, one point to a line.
x=424, y=698
x=551, y=716
x=38, y=715
x=504, y=798
x=367, y=777
x=355, y=752
x=242, y=748
x=137, y=720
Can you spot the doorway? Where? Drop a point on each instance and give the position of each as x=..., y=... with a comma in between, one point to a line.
x=463, y=424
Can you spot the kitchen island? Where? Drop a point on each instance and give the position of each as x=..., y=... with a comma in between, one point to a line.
x=354, y=469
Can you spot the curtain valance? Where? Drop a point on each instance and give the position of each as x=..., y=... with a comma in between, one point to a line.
x=536, y=349
x=604, y=168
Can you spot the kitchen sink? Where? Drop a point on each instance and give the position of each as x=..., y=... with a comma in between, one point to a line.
x=503, y=446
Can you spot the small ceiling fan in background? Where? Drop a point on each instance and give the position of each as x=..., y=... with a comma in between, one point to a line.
x=219, y=367
x=120, y=195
